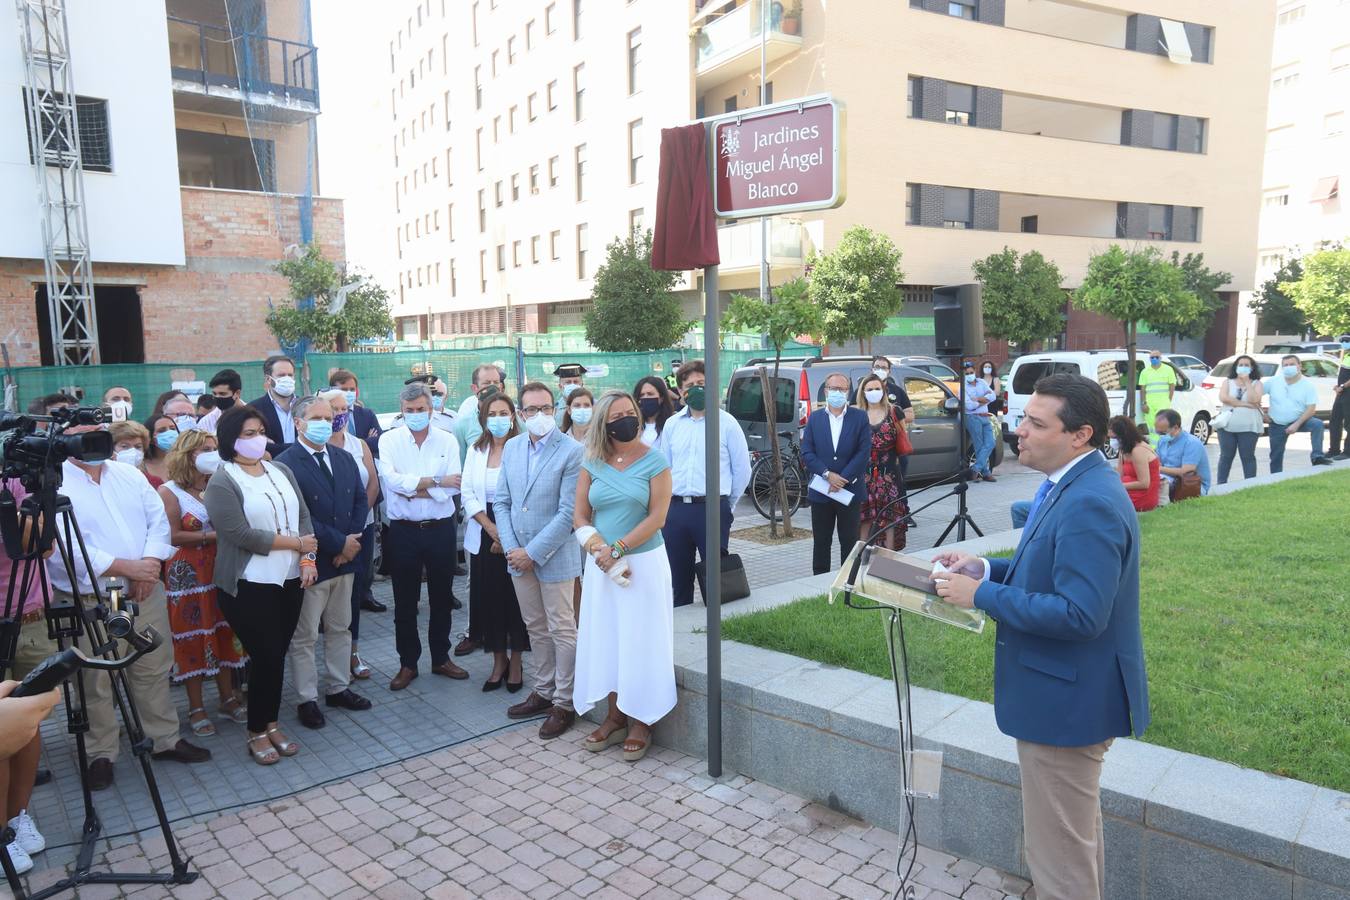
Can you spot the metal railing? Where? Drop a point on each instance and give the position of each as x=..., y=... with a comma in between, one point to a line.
x=731, y=32
x=214, y=56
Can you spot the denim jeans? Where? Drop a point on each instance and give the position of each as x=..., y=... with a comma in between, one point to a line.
x=1231, y=444
x=982, y=440
x=1019, y=512
x=1313, y=426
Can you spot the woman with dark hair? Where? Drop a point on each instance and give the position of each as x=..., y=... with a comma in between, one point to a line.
x=163, y=435
x=1241, y=398
x=265, y=558
x=577, y=416
x=885, y=483
x=494, y=612
x=653, y=399
x=1138, y=463
x=988, y=373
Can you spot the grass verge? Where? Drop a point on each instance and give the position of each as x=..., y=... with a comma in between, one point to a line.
x=1246, y=617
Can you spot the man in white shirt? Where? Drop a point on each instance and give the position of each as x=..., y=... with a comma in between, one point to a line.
x=684, y=443
x=121, y=520
x=419, y=470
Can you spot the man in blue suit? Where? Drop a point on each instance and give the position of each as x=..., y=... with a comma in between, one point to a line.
x=332, y=490
x=836, y=445
x=362, y=421
x=1069, y=662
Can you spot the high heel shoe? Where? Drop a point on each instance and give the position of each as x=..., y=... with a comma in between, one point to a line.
x=513, y=686
x=493, y=683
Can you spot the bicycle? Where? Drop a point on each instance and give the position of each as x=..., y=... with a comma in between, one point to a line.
x=764, y=484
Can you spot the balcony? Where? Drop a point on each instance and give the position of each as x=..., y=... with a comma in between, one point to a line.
x=280, y=80
x=739, y=246
x=727, y=37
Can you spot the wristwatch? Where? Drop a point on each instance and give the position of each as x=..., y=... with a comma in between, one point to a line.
x=436, y=480
x=618, y=550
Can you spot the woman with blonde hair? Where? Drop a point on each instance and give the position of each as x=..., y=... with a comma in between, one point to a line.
x=204, y=645
x=131, y=444
x=625, y=640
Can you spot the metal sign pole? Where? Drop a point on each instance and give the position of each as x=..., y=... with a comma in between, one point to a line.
x=712, y=578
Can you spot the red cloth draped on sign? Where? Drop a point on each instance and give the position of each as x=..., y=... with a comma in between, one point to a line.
x=685, y=233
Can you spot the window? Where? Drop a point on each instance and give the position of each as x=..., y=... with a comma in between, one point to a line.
x=478, y=148
x=1031, y=224
x=581, y=171
x=482, y=271
x=550, y=18
x=635, y=152
x=1283, y=78
x=768, y=92
x=960, y=104
x=511, y=119
x=745, y=399
x=578, y=91
x=515, y=187
x=1159, y=222
x=497, y=193
x=911, y=204
x=1271, y=259
x=474, y=19
x=454, y=282
x=511, y=50
x=534, y=250
x=634, y=59
x=496, y=129
x=553, y=171
x=501, y=257
x=729, y=104
x=576, y=20
x=529, y=107
x=1276, y=198
x=95, y=146
x=553, y=238
x=1165, y=131
x=1333, y=124
x=534, y=178
x=958, y=208
x=477, y=87
x=529, y=35
x=912, y=94
x=636, y=220
x=449, y=173
x=447, y=110
x=581, y=250
x=515, y=254
x=494, y=62
x=550, y=95
x=1340, y=58
x=1291, y=15
x=962, y=9
x=450, y=227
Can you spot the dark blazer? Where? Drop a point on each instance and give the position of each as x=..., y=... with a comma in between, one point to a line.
x=268, y=410
x=1069, y=660
x=336, y=509
x=849, y=460
x=367, y=427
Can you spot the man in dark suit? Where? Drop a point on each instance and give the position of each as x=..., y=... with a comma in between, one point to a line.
x=1069, y=663
x=275, y=405
x=331, y=485
x=836, y=446
x=363, y=422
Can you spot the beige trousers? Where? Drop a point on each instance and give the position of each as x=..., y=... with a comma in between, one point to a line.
x=148, y=679
x=546, y=607
x=1062, y=820
x=328, y=601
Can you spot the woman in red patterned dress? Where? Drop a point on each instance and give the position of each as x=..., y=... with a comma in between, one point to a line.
x=884, y=482
x=203, y=642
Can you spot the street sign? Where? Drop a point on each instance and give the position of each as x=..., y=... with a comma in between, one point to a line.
x=781, y=158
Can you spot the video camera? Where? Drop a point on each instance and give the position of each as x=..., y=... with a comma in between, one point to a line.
x=35, y=456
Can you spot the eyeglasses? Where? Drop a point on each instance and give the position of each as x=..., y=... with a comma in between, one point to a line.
x=532, y=411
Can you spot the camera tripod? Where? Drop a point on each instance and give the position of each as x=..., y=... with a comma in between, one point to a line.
x=46, y=519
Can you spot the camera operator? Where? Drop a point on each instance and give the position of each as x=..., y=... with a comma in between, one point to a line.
x=126, y=532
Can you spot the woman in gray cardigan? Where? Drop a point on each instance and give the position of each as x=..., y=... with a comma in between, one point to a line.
x=265, y=550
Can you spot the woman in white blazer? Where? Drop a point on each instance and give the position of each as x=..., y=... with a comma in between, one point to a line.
x=494, y=614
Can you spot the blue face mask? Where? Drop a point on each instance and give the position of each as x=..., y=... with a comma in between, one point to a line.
x=499, y=426
x=437, y=401
x=1155, y=361
x=836, y=399
x=567, y=389
x=1289, y=371
x=581, y=415
x=417, y=421
x=351, y=398
x=166, y=439
x=1244, y=370
x=318, y=431
x=970, y=378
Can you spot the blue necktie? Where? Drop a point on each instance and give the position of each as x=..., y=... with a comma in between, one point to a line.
x=1041, y=493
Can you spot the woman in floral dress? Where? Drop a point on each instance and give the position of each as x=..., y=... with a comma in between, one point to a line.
x=885, y=484
x=204, y=645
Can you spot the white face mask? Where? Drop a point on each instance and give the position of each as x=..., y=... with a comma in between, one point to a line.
x=1115, y=444
x=207, y=462
x=284, y=386
x=124, y=406
x=132, y=456
x=883, y=374
x=873, y=396
x=540, y=424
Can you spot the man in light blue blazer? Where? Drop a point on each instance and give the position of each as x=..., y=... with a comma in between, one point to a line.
x=536, y=494
x=1069, y=662
x=836, y=445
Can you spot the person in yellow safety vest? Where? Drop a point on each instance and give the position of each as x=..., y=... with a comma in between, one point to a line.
x=1157, y=385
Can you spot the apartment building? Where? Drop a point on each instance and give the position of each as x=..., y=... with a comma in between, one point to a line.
x=1047, y=125
x=195, y=120
x=1307, y=161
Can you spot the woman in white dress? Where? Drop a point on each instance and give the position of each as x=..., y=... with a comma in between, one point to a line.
x=625, y=640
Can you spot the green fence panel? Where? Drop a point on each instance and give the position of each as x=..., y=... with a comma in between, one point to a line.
x=146, y=381
x=381, y=375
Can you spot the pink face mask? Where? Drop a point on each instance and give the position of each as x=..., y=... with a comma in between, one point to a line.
x=251, y=448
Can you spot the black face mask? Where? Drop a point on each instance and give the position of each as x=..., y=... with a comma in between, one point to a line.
x=623, y=430
x=650, y=406
x=223, y=403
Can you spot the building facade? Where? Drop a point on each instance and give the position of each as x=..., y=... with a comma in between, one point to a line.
x=1035, y=124
x=195, y=121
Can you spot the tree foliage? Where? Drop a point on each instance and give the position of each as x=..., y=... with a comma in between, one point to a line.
x=1182, y=320
x=1322, y=293
x=1023, y=298
x=633, y=307
x=1275, y=310
x=856, y=285
x=1131, y=287
x=362, y=305
x=790, y=315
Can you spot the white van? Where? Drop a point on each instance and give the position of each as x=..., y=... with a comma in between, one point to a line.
x=1196, y=406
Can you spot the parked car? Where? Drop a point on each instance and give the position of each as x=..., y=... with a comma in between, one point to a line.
x=1197, y=406
x=1300, y=347
x=1194, y=367
x=1316, y=367
x=799, y=390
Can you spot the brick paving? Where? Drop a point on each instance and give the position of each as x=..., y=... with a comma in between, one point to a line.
x=509, y=816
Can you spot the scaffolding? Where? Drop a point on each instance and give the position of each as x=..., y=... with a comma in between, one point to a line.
x=54, y=147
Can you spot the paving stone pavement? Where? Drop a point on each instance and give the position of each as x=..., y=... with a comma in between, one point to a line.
x=510, y=816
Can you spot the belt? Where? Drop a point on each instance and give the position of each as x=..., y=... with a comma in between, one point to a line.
x=692, y=499
x=29, y=618
x=422, y=523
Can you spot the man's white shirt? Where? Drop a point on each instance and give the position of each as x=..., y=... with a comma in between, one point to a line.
x=402, y=464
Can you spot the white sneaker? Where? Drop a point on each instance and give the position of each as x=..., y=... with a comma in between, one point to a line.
x=21, y=860
x=26, y=834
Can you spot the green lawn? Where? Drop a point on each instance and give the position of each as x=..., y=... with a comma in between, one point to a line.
x=1246, y=617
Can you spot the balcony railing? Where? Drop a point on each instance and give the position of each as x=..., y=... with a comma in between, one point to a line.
x=739, y=244
x=724, y=33
x=213, y=56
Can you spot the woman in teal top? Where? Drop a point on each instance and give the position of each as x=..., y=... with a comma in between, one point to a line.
x=625, y=639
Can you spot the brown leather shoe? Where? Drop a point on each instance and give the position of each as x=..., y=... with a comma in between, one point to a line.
x=100, y=774
x=466, y=646
x=184, y=752
x=557, y=723
x=404, y=678
x=532, y=706
x=450, y=670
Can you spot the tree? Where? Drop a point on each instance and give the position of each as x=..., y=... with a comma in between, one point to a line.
x=1132, y=287
x=1323, y=292
x=633, y=308
x=792, y=314
x=1204, y=284
x=347, y=307
x=856, y=285
x=1023, y=298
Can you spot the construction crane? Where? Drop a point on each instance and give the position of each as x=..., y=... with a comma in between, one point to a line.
x=54, y=146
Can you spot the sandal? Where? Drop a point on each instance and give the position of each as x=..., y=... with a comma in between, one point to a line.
x=600, y=739
x=284, y=745
x=266, y=757
x=232, y=709
x=201, y=727
x=359, y=668
x=636, y=748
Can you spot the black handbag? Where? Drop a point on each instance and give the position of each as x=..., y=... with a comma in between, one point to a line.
x=735, y=586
